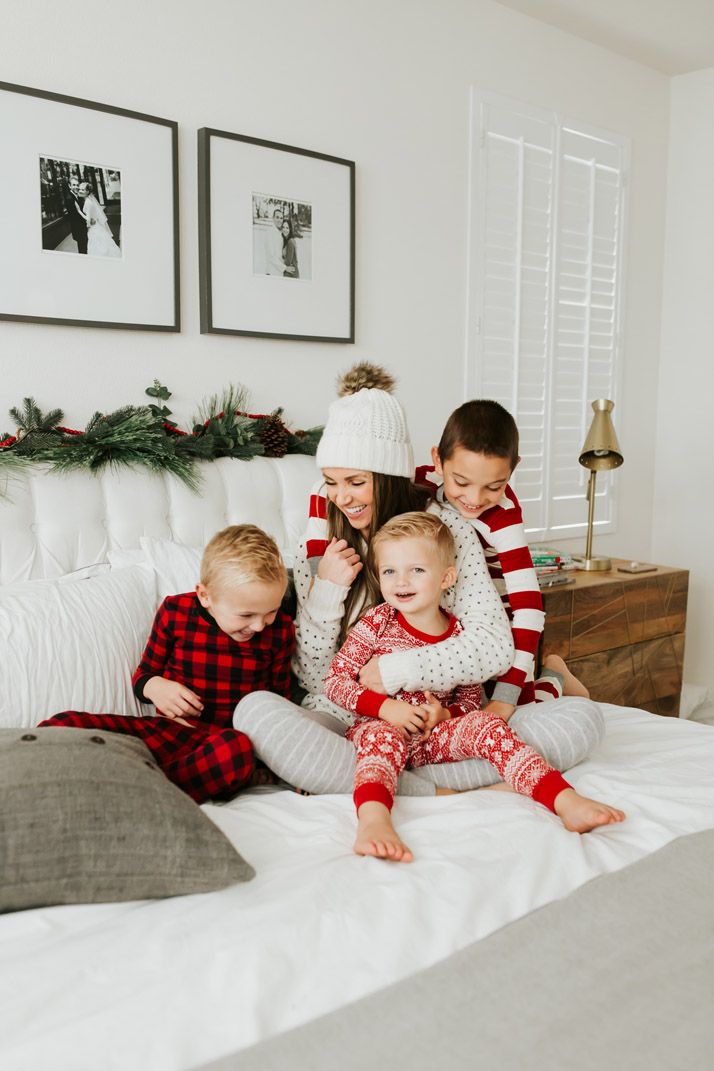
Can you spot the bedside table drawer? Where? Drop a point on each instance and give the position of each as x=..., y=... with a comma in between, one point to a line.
x=646, y=675
x=622, y=634
x=599, y=617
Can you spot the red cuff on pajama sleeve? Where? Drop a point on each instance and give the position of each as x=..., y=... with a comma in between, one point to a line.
x=369, y=703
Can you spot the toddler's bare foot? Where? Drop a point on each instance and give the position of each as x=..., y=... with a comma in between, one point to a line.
x=377, y=836
x=571, y=684
x=580, y=814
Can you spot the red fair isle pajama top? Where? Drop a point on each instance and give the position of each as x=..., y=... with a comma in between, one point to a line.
x=383, y=750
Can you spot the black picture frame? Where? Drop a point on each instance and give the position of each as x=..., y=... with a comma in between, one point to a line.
x=40, y=279
x=235, y=295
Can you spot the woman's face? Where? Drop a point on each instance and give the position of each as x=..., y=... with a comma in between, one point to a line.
x=352, y=492
x=285, y=229
x=83, y=189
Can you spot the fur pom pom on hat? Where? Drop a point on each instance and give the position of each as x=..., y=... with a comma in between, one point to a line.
x=366, y=427
x=365, y=376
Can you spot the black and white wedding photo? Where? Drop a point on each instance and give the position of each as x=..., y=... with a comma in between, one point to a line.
x=81, y=208
x=282, y=237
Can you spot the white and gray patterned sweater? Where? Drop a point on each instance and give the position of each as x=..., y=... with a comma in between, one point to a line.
x=482, y=650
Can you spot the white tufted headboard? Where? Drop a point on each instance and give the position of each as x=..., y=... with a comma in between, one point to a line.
x=53, y=524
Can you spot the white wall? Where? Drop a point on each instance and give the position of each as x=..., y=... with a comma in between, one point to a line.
x=683, y=525
x=383, y=83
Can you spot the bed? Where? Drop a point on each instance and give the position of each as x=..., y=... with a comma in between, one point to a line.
x=171, y=985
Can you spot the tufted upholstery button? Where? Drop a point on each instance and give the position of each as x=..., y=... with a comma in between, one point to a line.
x=151, y=765
x=97, y=739
x=28, y=736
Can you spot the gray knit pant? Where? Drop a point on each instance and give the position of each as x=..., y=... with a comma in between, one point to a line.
x=307, y=748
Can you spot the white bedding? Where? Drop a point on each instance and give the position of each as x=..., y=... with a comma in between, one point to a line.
x=170, y=984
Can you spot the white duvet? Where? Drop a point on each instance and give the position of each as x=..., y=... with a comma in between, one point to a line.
x=166, y=985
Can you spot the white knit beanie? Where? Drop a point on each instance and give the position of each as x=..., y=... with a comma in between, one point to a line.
x=366, y=428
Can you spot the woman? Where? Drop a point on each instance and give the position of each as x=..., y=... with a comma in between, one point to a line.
x=366, y=461
x=100, y=241
x=289, y=251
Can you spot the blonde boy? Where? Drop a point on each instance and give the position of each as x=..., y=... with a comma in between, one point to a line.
x=412, y=557
x=207, y=649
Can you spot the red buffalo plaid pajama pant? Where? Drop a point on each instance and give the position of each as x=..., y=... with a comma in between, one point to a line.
x=207, y=762
x=383, y=751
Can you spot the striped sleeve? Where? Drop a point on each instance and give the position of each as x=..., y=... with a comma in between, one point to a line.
x=501, y=527
x=316, y=532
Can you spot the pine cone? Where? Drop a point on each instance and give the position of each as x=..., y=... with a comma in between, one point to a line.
x=274, y=436
x=364, y=375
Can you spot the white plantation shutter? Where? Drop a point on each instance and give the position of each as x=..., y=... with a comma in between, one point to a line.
x=545, y=281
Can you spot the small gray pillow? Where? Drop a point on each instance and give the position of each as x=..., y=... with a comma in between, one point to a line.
x=87, y=817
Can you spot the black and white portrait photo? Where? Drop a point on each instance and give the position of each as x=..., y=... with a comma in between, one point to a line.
x=81, y=208
x=282, y=237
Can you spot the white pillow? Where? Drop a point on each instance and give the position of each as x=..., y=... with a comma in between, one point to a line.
x=178, y=568
x=73, y=645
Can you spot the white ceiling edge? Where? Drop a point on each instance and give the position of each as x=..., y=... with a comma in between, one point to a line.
x=671, y=36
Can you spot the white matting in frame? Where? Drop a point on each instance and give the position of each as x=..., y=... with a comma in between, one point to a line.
x=276, y=239
x=130, y=280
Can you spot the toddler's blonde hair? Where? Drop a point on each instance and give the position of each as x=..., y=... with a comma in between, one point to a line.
x=241, y=554
x=416, y=526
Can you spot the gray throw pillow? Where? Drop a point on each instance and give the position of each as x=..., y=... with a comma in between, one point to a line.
x=87, y=817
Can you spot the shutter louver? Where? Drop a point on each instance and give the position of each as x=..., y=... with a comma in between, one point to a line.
x=547, y=218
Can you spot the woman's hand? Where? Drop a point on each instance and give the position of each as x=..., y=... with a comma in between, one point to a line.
x=370, y=677
x=402, y=716
x=340, y=563
x=173, y=700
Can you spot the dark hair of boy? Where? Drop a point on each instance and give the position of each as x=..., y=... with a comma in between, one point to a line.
x=483, y=427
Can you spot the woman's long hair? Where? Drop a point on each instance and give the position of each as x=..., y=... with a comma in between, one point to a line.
x=391, y=495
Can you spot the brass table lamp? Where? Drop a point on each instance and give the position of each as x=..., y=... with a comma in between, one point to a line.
x=600, y=452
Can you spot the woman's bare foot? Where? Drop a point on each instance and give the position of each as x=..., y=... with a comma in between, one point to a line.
x=500, y=786
x=446, y=791
x=377, y=836
x=571, y=684
x=580, y=815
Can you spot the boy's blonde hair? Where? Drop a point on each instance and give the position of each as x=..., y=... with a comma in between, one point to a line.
x=241, y=554
x=416, y=526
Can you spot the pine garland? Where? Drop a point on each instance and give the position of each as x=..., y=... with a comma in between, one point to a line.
x=145, y=436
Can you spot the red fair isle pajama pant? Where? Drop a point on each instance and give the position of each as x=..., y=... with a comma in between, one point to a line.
x=383, y=751
x=207, y=762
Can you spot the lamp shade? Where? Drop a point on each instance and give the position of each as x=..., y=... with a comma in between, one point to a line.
x=601, y=450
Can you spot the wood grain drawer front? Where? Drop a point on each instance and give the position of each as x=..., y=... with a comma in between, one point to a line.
x=602, y=617
x=646, y=675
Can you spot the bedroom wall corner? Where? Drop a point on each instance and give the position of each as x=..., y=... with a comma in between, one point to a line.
x=683, y=516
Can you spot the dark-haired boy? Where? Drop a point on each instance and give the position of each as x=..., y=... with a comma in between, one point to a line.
x=473, y=463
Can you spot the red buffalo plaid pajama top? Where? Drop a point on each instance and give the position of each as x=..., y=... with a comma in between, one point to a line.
x=210, y=759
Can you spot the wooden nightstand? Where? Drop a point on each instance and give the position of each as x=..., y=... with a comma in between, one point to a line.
x=622, y=634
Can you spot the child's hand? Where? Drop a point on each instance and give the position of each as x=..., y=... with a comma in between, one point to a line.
x=340, y=563
x=404, y=716
x=173, y=700
x=433, y=714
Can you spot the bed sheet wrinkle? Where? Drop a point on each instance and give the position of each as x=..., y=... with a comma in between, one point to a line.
x=319, y=927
